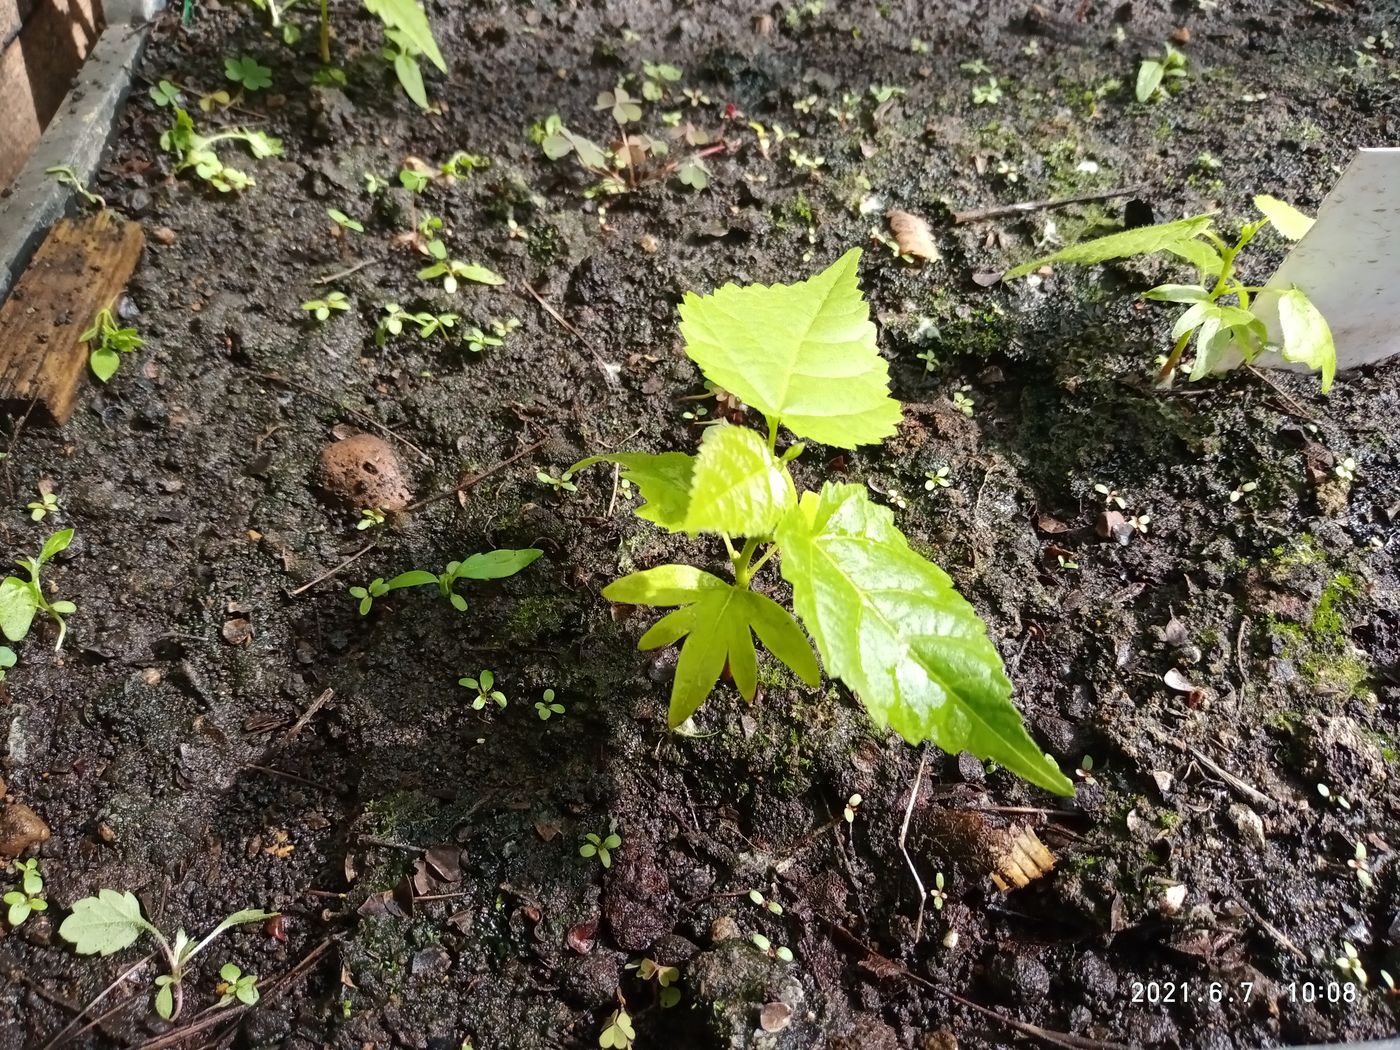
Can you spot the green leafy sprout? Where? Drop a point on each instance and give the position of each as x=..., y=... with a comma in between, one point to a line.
x=491, y=565
x=667, y=994
x=396, y=317
x=197, y=151
x=21, y=599
x=112, y=920
x=887, y=622
x=234, y=984
x=7, y=660
x=26, y=900
x=486, y=691
x=46, y=504
x=764, y=945
x=548, y=707
x=1155, y=73
x=66, y=176
x=562, y=483
x=454, y=270
x=618, y=1032
x=1223, y=332
x=370, y=518
x=601, y=846
x=345, y=221
x=107, y=341
x=248, y=72
x=321, y=309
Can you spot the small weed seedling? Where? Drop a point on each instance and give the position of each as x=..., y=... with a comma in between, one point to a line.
x=1361, y=866
x=321, y=309
x=1345, y=471
x=601, y=847
x=7, y=660
x=234, y=984
x=370, y=518
x=1156, y=73
x=852, y=805
x=1085, y=772
x=486, y=692
x=345, y=222
x=197, y=151
x=1223, y=332
x=937, y=895
x=773, y=907
x=1349, y=962
x=563, y=483
x=451, y=271
x=667, y=994
x=887, y=622
x=64, y=175
x=764, y=945
x=548, y=707
x=1243, y=490
x=26, y=900
x=107, y=341
x=46, y=504
x=395, y=317
x=21, y=599
x=618, y=1032
x=492, y=565
x=248, y=73
x=936, y=479
x=964, y=404
x=112, y=921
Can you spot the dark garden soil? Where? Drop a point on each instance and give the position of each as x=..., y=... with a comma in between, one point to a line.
x=1201, y=893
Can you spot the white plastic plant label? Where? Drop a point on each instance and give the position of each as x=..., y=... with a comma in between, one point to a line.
x=1349, y=264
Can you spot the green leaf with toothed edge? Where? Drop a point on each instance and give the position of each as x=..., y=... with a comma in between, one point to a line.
x=105, y=923
x=663, y=480
x=738, y=487
x=891, y=626
x=717, y=621
x=802, y=354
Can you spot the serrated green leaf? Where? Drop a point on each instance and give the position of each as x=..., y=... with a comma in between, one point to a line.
x=408, y=18
x=1287, y=219
x=738, y=488
x=663, y=480
x=105, y=923
x=498, y=564
x=17, y=608
x=802, y=354
x=891, y=626
x=1307, y=338
x=1199, y=254
x=1167, y=236
x=715, y=619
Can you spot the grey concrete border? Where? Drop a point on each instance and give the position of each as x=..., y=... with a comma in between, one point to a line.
x=76, y=136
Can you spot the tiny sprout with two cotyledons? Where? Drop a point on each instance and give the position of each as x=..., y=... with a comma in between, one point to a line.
x=763, y=902
x=601, y=847
x=764, y=945
x=370, y=518
x=1361, y=865
x=852, y=805
x=937, y=895
x=486, y=691
x=234, y=984
x=321, y=309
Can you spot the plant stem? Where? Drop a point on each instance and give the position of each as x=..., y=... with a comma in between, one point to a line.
x=325, y=33
x=742, y=572
x=772, y=435
x=1165, y=375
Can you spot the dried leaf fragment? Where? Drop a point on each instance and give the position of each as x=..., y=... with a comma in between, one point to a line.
x=912, y=235
x=1023, y=858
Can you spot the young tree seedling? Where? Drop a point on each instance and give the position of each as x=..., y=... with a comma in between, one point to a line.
x=887, y=622
x=1223, y=332
x=852, y=805
x=21, y=599
x=107, y=341
x=1361, y=866
x=112, y=920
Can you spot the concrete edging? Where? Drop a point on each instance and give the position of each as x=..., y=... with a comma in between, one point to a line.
x=76, y=137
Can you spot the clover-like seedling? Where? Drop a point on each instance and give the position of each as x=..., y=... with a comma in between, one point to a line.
x=1349, y=962
x=486, y=691
x=667, y=994
x=26, y=900
x=620, y=104
x=601, y=846
x=936, y=894
x=321, y=309
x=1222, y=331
x=656, y=78
x=618, y=1032
x=563, y=483
x=112, y=920
x=46, y=504
x=414, y=181
x=451, y=271
x=936, y=479
x=107, y=341
x=763, y=902
x=21, y=599
x=548, y=707
x=370, y=518
x=1346, y=470
x=234, y=984
x=165, y=94
x=345, y=221
x=764, y=945
x=1361, y=865
x=248, y=72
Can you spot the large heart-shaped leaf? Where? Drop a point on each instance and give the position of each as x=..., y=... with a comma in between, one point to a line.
x=715, y=618
x=802, y=354
x=891, y=626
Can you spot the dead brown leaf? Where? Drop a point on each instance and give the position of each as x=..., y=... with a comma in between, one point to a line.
x=913, y=236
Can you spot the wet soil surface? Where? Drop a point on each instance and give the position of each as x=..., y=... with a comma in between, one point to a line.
x=224, y=730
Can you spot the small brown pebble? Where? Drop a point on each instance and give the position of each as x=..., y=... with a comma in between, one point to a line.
x=364, y=471
x=724, y=929
x=238, y=631
x=775, y=1016
x=1181, y=36
x=20, y=828
x=163, y=235
x=150, y=676
x=1108, y=524
x=106, y=833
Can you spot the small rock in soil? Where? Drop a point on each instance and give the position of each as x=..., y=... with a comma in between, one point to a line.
x=634, y=903
x=1095, y=978
x=1249, y=824
x=20, y=828
x=364, y=471
x=431, y=962
x=1019, y=979
x=723, y=929
x=591, y=979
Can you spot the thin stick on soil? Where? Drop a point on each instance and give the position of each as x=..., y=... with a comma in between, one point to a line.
x=609, y=371
x=280, y=380
x=1289, y=405
x=1272, y=930
x=1004, y=210
x=331, y=572
x=331, y=277
x=316, y=705
x=904, y=834
x=100, y=996
x=466, y=481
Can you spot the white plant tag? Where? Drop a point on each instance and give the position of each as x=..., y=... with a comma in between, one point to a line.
x=1349, y=264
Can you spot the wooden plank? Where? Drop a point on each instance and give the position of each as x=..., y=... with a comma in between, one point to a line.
x=36, y=69
x=79, y=270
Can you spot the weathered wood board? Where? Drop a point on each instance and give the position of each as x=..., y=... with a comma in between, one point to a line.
x=79, y=270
